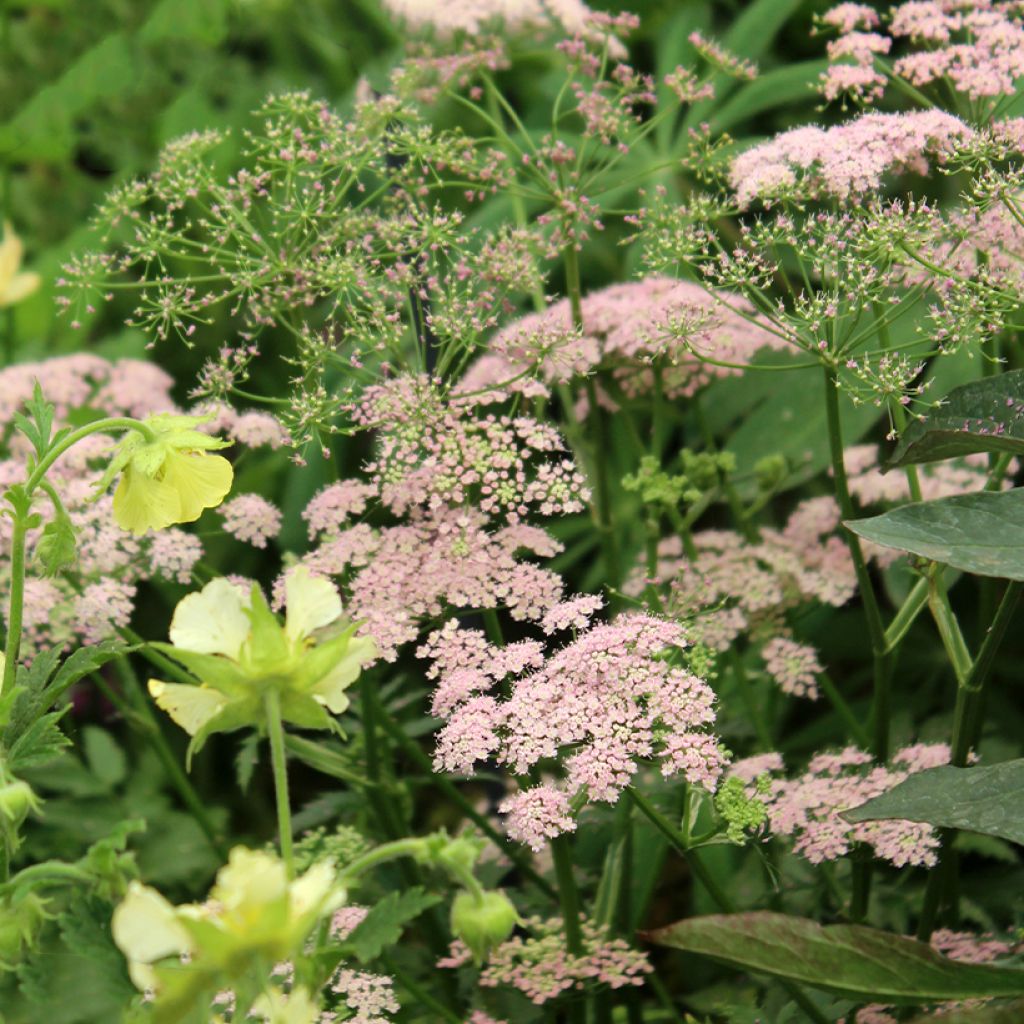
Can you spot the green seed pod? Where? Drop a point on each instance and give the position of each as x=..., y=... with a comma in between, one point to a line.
x=483, y=922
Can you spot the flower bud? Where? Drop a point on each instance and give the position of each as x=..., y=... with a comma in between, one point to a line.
x=483, y=922
x=16, y=800
x=21, y=918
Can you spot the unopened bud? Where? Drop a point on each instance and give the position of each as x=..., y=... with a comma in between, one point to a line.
x=483, y=922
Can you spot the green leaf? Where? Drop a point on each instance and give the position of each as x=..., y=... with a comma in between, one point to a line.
x=105, y=758
x=983, y=416
x=775, y=88
x=324, y=758
x=849, y=960
x=198, y=21
x=80, y=977
x=981, y=533
x=988, y=799
x=383, y=925
x=39, y=744
x=790, y=420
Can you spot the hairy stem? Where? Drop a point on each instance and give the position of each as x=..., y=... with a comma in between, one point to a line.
x=275, y=732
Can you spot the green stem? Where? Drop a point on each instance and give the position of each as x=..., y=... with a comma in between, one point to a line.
x=942, y=880
x=914, y=604
x=948, y=626
x=16, y=601
x=876, y=630
x=412, y=748
x=857, y=731
x=412, y=847
x=275, y=732
x=561, y=852
x=724, y=902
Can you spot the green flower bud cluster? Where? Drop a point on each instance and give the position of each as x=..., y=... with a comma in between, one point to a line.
x=701, y=472
x=741, y=813
x=341, y=846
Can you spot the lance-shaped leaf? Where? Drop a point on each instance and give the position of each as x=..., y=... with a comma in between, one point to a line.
x=983, y=416
x=849, y=960
x=982, y=533
x=987, y=799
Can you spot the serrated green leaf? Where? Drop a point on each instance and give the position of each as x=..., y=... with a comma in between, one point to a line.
x=81, y=662
x=383, y=925
x=79, y=976
x=988, y=799
x=982, y=416
x=848, y=960
x=981, y=533
x=42, y=742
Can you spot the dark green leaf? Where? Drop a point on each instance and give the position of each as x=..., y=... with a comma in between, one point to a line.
x=849, y=960
x=987, y=799
x=983, y=416
x=775, y=88
x=383, y=925
x=981, y=533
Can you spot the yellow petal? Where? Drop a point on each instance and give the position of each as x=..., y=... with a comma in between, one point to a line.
x=19, y=287
x=144, y=503
x=200, y=481
x=311, y=602
x=10, y=255
x=145, y=926
x=212, y=621
x=330, y=691
x=315, y=893
x=251, y=879
x=191, y=707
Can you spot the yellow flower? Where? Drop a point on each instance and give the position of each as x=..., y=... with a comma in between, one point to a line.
x=254, y=917
x=235, y=644
x=15, y=284
x=169, y=479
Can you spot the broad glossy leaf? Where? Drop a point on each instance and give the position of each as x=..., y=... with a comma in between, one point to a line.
x=983, y=416
x=980, y=533
x=987, y=799
x=849, y=960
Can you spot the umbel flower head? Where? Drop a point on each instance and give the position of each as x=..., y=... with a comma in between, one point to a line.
x=15, y=283
x=254, y=918
x=170, y=477
x=237, y=647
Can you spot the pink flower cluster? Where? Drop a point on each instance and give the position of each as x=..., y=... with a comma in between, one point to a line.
x=603, y=702
x=733, y=587
x=397, y=576
x=808, y=807
x=626, y=328
x=976, y=47
x=369, y=997
x=847, y=161
x=251, y=519
x=540, y=968
x=870, y=486
x=432, y=454
x=795, y=667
